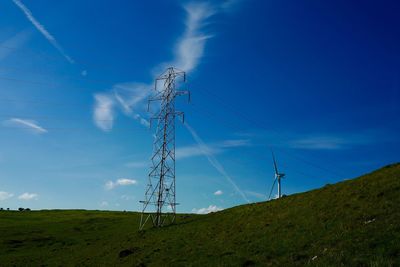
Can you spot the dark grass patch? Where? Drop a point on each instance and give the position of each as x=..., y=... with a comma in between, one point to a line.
x=248, y=263
x=126, y=252
x=14, y=243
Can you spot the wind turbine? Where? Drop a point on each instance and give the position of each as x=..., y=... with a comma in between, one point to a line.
x=278, y=177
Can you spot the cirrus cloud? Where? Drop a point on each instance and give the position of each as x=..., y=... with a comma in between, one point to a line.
x=103, y=114
x=42, y=29
x=31, y=125
x=188, y=52
x=209, y=149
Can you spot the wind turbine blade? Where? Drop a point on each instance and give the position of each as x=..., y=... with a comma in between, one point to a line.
x=275, y=166
x=272, y=188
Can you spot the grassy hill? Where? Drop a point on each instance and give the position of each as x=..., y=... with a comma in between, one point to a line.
x=352, y=223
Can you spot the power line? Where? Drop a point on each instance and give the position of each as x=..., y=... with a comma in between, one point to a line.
x=214, y=96
x=42, y=55
x=224, y=122
x=28, y=81
x=84, y=79
x=228, y=125
x=256, y=154
x=70, y=128
x=258, y=125
x=33, y=82
x=54, y=104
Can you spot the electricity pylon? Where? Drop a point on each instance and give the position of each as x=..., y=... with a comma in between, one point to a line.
x=160, y=197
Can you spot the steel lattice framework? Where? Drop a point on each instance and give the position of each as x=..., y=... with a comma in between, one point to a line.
x=159, y=205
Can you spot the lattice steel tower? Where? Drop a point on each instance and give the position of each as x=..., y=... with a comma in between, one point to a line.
x=160, y=198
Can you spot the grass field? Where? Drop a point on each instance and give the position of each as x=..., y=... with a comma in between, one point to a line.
x=352, y=223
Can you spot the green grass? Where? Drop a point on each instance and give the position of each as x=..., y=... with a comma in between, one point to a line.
x=352, y=223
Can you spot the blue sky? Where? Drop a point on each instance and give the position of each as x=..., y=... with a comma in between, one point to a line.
x=316, y=81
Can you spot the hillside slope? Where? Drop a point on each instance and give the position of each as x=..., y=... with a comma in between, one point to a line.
x=352, y=223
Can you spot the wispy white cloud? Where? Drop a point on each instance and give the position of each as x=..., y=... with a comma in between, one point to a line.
x=215, y=163
x=320, y=140
x=128, y=97
x=26, y=124
x=5, y=195
x=42, y=29
x=331, y=142
x=195, y=150
x=141, y=120
x=28, y=196
x=188, y=52
x=210, y=149
x=209, y=209
x=228, y=5
x=190, y=47
x=10, y=45
x=120, y=182
x=235, y=143
x=103, y=114
x=131, y=95
x=125, y=106
x=218, y=193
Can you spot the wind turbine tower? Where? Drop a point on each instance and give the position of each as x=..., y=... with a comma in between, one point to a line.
x=278, y=177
